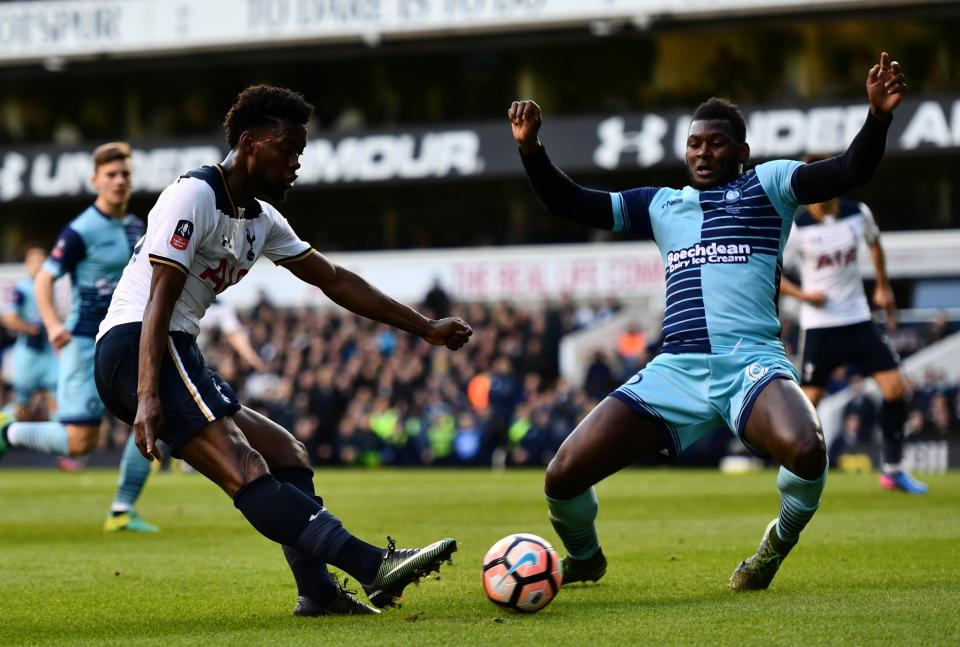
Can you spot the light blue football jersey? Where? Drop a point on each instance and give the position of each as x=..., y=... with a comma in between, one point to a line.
x=24, y=305
x=94, y=248
x=722, y=251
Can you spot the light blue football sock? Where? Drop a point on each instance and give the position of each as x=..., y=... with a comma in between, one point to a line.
x=134, y=471
x=47, y=437
x=799, y=499
x=573, y=519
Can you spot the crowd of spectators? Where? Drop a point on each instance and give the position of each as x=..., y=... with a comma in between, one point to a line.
x=359, y=393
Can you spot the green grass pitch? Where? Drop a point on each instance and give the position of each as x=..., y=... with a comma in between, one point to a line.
x=873, y=567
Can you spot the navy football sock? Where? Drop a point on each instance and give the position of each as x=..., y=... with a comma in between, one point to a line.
x=284, y=514
x=893, y=413
x=363, y=558
x=278, y=511
x=311, y=575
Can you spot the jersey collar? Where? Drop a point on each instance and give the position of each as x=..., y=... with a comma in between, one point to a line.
x=252, y=210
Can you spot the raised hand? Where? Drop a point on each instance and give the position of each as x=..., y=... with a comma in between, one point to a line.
x=525, y=119
x=885, y=86
x=452, y=332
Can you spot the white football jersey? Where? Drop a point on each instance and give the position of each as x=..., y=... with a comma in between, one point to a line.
x=196, y=228
x=826, y=255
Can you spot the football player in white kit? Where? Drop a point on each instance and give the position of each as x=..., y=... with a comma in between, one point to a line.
x=204, y=234
x=836, y=321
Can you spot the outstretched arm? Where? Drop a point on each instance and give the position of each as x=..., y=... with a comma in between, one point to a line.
x=240, y=342
x=829, y=178
x=14, y=323
x=559, y=194
x=791, y=289
x=43, y=292
x=883, y=294
x=355, y=294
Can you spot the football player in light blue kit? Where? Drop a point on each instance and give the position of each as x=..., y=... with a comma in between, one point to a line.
x=34, y=363
x=723, y=364
x=93, y=249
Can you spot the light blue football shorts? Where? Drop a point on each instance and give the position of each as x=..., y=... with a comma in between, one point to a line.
x=693, y=394
x=77, y=399
x=33, y=370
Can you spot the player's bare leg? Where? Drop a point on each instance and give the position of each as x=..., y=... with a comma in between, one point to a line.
x=610, y=438
x=784, y=425
x=893, y=415
x=82, y=439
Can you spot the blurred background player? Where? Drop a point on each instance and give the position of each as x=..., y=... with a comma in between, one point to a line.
x=222, y=317
x=835, y=318
x=723, y=363
x=34, y=362
x=93, y=249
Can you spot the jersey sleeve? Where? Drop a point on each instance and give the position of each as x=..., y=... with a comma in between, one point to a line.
x=282, y=245
x=775, y=178
x=179, y=224
x=67, y=252
x=871, y=233
x=631, y=210
x=14, y=301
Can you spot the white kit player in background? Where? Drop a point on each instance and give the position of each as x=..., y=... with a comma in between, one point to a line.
x=837, y=326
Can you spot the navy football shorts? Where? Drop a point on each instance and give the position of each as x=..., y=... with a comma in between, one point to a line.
x=192, y=395
x=824, y=349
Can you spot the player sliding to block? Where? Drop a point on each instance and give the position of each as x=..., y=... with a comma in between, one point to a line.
x=722, y=240
x=204, y=234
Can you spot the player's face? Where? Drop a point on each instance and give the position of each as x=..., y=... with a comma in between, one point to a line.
x=275, y=159
x=821, y=210
x=113, y=182
x=33, y=259
x=713, y=154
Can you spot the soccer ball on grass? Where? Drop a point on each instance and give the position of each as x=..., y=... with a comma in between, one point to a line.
x=522, y=572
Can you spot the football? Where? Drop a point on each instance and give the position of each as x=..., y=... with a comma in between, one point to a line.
x=522, y=572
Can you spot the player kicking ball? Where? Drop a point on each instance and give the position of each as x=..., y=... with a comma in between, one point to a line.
x=204, y=234
x=722, y=240
x=836, y=322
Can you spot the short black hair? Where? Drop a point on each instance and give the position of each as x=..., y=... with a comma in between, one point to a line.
x=259, y=105
x=723, y=110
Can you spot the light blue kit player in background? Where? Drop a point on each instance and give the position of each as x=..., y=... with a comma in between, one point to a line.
x=723, y=364
x=93, y=249
x=34, y=362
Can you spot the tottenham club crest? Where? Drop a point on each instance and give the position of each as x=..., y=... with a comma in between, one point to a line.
x=181, y=235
